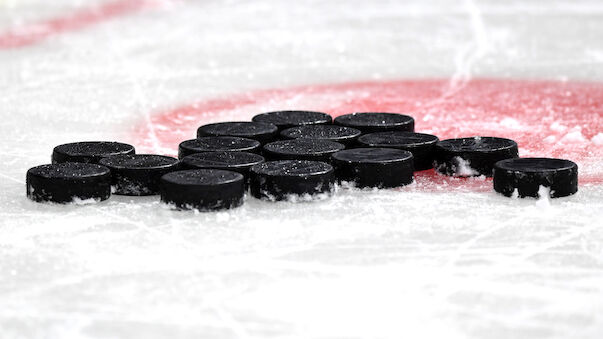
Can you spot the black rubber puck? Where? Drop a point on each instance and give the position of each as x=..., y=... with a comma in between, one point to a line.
x=68, y=182
x=374, y=167
x=89, y=151
x=260, y=131
x=473, y=156
x=527, y=175
x=138, y=174
x=422, y=146
x=301, y=149
x=377, y=122
x=287, y=119
x=232, y=161
x=217, y=144
x=340, y=134
x=291, y=179
x=203, y=189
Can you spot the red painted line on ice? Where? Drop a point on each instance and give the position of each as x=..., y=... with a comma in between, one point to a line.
x=36, y=32
x=546, y=118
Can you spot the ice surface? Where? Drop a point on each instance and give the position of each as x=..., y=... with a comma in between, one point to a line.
x=430, y=260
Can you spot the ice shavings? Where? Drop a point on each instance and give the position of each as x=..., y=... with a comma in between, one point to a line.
x=510, y=123
x=574, y=136
x=463, y=168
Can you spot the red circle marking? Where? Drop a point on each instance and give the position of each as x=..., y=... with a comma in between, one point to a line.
x=36, y=32
x=546, y=118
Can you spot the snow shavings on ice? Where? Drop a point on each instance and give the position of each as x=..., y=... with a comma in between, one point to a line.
x=574, y=136
x=463, y=168
x=510, y=123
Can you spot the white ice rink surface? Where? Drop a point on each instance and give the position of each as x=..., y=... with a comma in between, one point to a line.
x=405, y=263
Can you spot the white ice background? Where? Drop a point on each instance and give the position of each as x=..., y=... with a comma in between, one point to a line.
x=363, y=264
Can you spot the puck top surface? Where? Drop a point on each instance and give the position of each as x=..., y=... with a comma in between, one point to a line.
x=89, y=151
x=293, y=168
x=372, y=155
x=222, y=143
x=476, y=144
x=377, y=120
x=285, y=119
x=139, y=161
x=327, y=132
x=303, y=147
x=222, y=160
x=535, y=165
x=246, y=129
x=69, y=170
x=202, y=177
x=397, y=139
x=219, y=143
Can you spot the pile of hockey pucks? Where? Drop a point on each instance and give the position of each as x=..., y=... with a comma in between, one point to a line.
x=290, y=154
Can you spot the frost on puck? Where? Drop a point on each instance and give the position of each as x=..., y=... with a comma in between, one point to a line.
x=89, y=151
x=217, y=144
x=340, y=134
x=374, y=167
x=260, y=131
x=286, y=119
x=472, y=156
x=232, y=161
x=203, y=189
x=291, y=180
x=526, y=176
x=422, y=146
x=302, y=149
x=138, y=174
x=371, y=122
x=68, y=182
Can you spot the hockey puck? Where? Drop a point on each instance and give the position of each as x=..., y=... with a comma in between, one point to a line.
x=526, y=175
x=302, y=149
x=287, y=119
x=203, y=189
x=377, y=122
x=89, y=151
x=260, y=131
x=472, y=156
x=138, y=174
x=290, y=179
x=217, y=144
x=374, y=167
x=68, y=182
x=422, y=146
x=341, y=134
x=232, y=161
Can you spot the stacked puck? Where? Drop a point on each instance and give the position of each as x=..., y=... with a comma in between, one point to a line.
x=290, y=155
